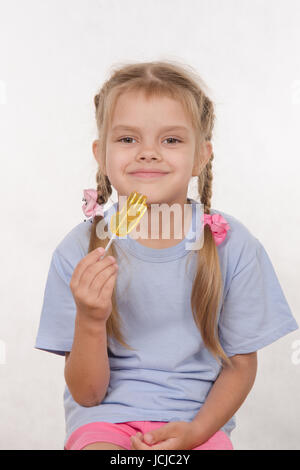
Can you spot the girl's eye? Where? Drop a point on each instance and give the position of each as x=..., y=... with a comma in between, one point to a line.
x=123, y=138
x=131, y=138
x=173, y=138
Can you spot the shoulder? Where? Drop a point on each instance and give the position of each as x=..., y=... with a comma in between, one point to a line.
x=240, y=245
x=72, y=247
x=238, y=231
x=76, y=240
x=74, y=244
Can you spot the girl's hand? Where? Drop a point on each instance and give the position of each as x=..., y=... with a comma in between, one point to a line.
x=92, y=285
x=178, y=435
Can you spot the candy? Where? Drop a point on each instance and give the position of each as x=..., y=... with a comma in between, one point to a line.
x=123, y=222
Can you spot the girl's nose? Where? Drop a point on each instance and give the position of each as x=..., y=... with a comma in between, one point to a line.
x=149, y=156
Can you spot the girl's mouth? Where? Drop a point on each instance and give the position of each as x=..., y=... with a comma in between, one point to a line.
x=141, y=174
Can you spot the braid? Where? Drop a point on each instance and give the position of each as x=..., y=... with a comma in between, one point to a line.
x=206, y=177
x=104, y=188
x=205, y=185
x=104, y=191
x=96, y=100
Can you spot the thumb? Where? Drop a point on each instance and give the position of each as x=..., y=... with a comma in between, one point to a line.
x=157, y=434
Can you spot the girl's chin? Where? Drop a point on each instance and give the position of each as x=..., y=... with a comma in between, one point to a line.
x=151, y=198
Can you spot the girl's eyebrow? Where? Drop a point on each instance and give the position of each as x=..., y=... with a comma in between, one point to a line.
x=165, y=128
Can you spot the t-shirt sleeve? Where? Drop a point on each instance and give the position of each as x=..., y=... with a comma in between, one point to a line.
x=56, y=328
x=255, y=311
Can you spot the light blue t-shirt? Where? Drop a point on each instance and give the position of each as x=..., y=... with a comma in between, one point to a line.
x=170, y=373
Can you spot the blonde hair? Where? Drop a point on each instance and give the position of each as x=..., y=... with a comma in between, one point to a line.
x=166, y=78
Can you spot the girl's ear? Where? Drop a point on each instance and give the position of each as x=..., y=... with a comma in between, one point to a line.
x=196, y=167
x=95, y=148
x=202, y=158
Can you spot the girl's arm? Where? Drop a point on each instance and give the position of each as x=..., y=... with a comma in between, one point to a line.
x=226, y=395
x=87, y=371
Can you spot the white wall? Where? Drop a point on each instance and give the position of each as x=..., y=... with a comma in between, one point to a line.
x=54, y=57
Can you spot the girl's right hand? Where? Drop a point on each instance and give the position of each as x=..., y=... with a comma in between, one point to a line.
x=92, y=285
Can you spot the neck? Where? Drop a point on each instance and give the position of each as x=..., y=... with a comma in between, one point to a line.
x=165, y=223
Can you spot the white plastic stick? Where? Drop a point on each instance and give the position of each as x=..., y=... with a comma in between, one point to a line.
x=108, y=245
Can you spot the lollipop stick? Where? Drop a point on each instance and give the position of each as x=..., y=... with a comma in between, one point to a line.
x=123, y=223
x=108, y=245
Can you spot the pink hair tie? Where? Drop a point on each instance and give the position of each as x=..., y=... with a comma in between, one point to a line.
x=91, y=207
x=218, y=226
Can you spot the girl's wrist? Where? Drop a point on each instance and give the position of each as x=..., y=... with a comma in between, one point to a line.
x=202, y=429
x=89, y=325
x=198, y=432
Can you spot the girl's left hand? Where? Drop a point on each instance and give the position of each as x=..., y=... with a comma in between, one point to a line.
x=177, y=435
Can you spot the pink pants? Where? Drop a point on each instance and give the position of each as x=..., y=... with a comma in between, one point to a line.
x=120, y=433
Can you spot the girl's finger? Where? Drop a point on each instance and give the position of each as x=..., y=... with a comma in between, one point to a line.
x=90, y=276
x=101, y=276
x=138, y=444
x=107, y=288
x=135, y=443
x=90, y=258
x=132, y=443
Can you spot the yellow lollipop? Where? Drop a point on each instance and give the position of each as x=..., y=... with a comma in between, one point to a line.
x=123, y=222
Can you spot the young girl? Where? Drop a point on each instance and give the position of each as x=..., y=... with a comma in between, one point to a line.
x=160, y=339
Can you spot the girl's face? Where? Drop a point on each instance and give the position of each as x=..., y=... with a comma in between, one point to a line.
x=156, y=135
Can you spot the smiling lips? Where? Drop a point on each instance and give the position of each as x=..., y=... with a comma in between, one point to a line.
x=148, y=174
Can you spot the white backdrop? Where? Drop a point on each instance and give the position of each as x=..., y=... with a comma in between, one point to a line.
x=55, y=55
